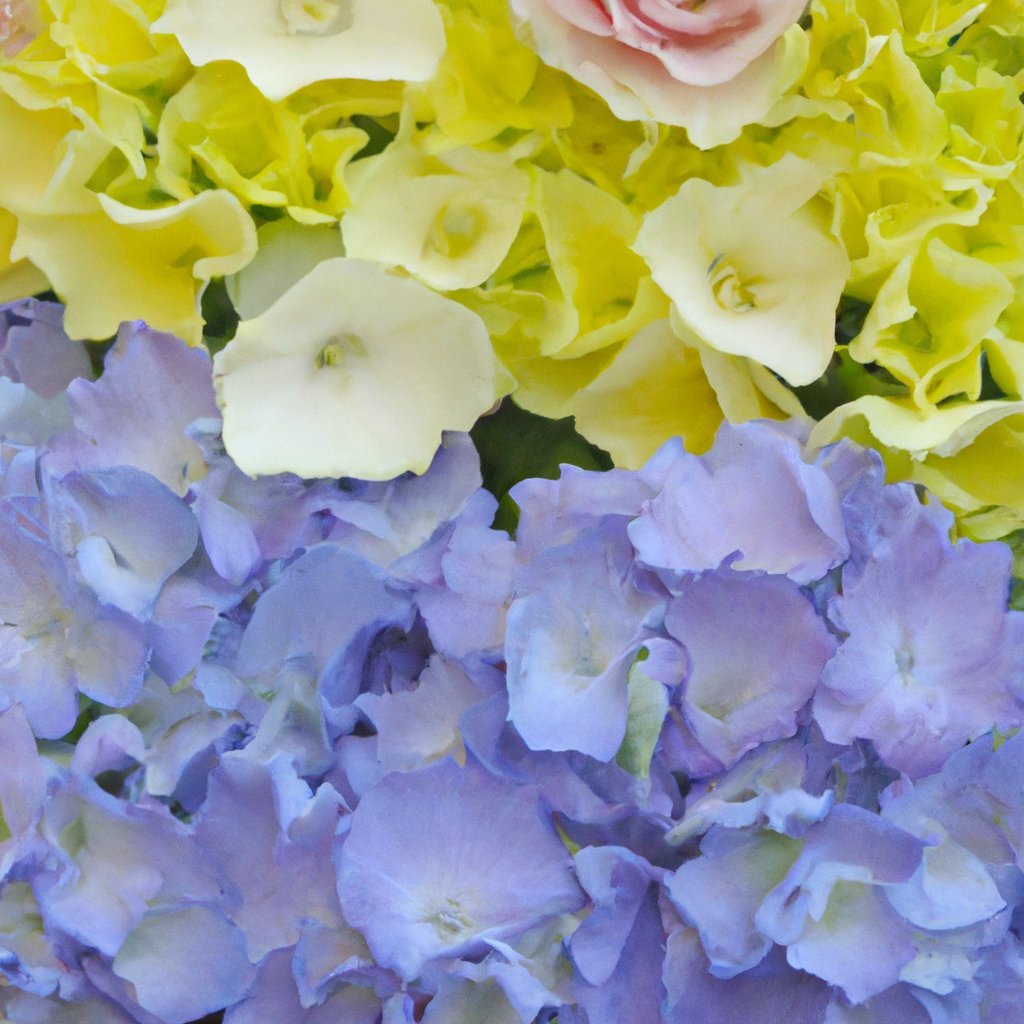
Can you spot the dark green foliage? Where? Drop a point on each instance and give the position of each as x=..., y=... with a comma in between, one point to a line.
x=515, y=444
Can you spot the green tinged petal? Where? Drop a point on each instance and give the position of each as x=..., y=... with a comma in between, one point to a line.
x=927, y=324
x=960, y=451
x=488, y=81
x=568, y=293
x=648, y=705
x=220, y=131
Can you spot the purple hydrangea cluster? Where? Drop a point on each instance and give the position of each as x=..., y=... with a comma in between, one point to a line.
x=729, y=738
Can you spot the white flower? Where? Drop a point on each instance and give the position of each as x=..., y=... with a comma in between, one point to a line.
x=354, y=371
x=752, y=268
x=287, y=44
x=450, y=220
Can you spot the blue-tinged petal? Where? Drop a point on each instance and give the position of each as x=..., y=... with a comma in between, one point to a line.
x=765, y=787
x=634, y=992
x=294, y=724
x=441, y=860
x=416, y=727
x=283, y=878
x=23, y=782
x=183, y=735
x=27, y=959
x=616, y=880
x=184, y=964
x=153, y=387
x=463, y=582
x=330, y=957
x=932, y=658
x=182, y=620
x=111, y=862
x=56, y=640
x=750, y=496
x=772, y=991
x=327, y=606
x=273, y=998
x=25, y=418
x=533, y=972
x=35, y=351
x=457, y=1001
x=756, y=649
x=384, y=521
x=553, y=513
x=720, y=892
x=831, y=905
x=85, y=1007
x=972, y=801
x=246, y=522
x=951, y=889
x=617, y=949
x=856, y=919
x=570, y=640
x=126, y=531
x=111, y=743
x=894, y=1004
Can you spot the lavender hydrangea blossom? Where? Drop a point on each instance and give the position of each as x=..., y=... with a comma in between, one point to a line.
x=921, y=675
x=730, y=736
x=442, y=861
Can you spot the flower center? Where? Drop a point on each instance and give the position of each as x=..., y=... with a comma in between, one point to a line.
x=455, y=230
x=316, y=17
x=905, y=665
x=731, y=292
x=450, y=920
x=338, y=349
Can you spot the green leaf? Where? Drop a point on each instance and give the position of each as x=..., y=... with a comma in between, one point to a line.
x=516, y=445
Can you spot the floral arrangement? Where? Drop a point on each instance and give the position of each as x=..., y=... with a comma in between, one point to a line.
x=326, y=695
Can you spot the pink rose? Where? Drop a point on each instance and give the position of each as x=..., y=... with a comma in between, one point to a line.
x=20, y=23
x=711, y=66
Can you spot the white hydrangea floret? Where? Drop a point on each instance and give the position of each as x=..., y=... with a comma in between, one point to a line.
x=752, y=268
x=449, y=220
x=354, y=371
x=287, y=44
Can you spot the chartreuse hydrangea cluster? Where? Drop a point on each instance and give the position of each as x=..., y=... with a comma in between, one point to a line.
x=651, y=217
x=728, y=737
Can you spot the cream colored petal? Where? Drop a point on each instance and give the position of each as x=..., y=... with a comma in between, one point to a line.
x=282, y=50
x=353, y=372
x=748, y=276
x=450, y=229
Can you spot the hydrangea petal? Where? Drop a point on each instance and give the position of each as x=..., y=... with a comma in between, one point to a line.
x=439, y=860
x=756, y=649
x=285, y=45
x=339, y=408
x=136, y=414
x=569, y=645
x=921, y=677
x=185, y=963
x=761, y=276
x=751, y=496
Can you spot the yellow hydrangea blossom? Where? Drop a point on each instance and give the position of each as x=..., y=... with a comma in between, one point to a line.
x=848, y=244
